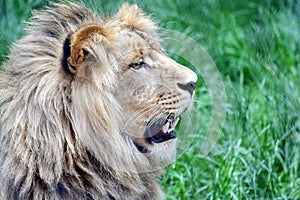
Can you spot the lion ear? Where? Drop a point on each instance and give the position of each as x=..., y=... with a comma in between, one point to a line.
x=133, y=17
x=78, y=51
x=79, y=59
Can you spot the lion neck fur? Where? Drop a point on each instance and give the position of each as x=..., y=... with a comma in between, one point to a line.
x=59, y=135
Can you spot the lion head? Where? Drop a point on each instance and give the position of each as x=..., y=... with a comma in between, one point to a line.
x=89, y=106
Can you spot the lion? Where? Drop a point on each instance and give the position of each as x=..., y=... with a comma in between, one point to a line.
x=88, y=106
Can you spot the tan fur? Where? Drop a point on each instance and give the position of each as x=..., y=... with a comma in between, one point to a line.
x=74, y=109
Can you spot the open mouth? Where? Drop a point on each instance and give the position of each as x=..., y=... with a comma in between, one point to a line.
x=161, y=130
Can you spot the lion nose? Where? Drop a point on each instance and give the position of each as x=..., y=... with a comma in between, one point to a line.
x=188, y=87
x=192, y=84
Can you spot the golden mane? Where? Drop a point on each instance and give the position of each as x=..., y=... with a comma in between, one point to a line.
x=63, y=136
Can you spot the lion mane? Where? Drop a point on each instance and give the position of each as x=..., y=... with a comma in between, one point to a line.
x=60, y=121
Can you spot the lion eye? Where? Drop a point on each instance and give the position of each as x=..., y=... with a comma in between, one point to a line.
x=138, y=65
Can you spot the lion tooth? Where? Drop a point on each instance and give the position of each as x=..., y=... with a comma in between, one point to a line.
x=166, y=127
x=175, y=122
x=170, y=130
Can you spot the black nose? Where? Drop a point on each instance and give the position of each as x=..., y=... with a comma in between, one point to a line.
x=188, y=87
x=192, y=84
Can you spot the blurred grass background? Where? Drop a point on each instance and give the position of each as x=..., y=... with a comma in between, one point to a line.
x=255, y=44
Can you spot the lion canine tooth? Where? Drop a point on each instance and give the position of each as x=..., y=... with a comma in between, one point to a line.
x=175, y=122
x=166, y=127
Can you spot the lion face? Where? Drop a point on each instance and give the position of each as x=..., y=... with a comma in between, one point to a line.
x=150, y=88
x=153, y=91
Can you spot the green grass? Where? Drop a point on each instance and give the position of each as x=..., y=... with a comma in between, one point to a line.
x=256, y=46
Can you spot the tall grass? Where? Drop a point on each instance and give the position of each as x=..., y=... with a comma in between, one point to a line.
x=256, y=47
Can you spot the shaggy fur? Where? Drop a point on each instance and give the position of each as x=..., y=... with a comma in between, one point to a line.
x=63, y=113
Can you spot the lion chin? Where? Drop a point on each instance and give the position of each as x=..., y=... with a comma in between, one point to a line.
x=89, y=107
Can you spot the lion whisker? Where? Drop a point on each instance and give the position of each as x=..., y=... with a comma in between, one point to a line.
x=135, y=116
